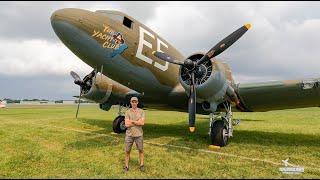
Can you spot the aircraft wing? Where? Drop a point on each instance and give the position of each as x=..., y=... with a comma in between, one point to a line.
x=276, y=95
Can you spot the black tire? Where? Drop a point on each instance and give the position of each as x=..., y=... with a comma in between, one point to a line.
x=118, y=125
x=217, y=134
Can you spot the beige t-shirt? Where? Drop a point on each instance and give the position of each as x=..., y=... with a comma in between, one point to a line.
x=134, y=131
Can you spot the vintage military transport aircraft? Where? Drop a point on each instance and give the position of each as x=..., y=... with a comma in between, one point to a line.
x=129, y=59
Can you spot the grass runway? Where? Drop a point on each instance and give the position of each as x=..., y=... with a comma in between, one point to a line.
x=48, y=142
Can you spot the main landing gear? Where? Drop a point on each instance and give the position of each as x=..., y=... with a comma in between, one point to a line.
x=118, y=124
x=221, y=126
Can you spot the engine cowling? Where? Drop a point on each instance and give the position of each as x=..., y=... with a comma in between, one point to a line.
x=97, y=88
x=101, y=89
x=211, y=82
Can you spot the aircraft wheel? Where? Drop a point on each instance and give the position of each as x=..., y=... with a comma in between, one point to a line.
x=218, y=135
x=118, y=125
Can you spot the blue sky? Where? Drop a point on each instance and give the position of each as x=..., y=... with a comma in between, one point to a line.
x=282, y=44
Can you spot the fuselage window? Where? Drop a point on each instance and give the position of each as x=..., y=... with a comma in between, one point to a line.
x=127, y=22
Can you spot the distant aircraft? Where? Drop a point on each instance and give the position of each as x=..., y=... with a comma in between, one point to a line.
x=129, y=59
x=2, y=104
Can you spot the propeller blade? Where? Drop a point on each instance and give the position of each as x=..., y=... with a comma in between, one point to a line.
x=75, y=76
x=225, y=43
x=192, y=105
x=166, y=57
x=78, y=104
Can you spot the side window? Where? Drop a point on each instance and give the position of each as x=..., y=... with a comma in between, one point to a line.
x=127, y=22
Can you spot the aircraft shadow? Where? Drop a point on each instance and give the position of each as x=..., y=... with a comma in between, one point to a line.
x=94, y=142
x=182, y=137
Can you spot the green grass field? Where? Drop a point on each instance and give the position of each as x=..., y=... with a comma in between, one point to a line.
x=48, y=142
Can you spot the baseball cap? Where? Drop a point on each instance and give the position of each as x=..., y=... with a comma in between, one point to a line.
x=134, y=99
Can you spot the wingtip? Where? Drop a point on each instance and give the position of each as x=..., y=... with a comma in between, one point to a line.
x=248, y=26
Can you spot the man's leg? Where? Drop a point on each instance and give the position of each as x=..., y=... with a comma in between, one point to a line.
x=128, y=145
x=127, y=159
x=141, y=156
x=139, y=143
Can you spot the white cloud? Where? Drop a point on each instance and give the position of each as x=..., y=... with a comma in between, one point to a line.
x=243, y=78
x=36, y=57
x=176, y=22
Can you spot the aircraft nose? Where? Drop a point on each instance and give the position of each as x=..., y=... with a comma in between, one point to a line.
x=70, y=16
x=61, y=14
x=68, y=22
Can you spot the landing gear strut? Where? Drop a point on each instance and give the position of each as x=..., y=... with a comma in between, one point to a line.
x=118, y=124
x=221, y=126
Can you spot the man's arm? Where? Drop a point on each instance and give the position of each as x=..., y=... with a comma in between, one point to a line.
x=128, y=123
x=140, y=122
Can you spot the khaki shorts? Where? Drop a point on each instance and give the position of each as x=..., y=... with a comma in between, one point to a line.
x=129, y=141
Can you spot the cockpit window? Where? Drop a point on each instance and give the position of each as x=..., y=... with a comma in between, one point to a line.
x=127, y=22
x=117, y=17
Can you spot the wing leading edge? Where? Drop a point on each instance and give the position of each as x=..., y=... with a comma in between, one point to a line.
x=278, y=95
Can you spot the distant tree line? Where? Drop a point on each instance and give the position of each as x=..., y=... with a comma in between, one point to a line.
x=56, y=101
x=18, y=100
x=35, y=100
x=12, y=100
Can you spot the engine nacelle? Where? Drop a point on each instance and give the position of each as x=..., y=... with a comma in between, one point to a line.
x=212, y=82
x=101, y=89
x=98, y=88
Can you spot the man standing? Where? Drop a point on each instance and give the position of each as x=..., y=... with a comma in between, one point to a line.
x=134, y=120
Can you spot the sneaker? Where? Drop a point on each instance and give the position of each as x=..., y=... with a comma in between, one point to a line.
x=125, y=169
x=142, y=168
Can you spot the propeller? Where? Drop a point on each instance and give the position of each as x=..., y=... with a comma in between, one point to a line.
x=225, y=43
x=76, y=77
x=192, y=105
x=195, y=66
x=78, y=104
x=77, y=80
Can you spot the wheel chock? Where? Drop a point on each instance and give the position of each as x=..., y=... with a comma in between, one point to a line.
x=214, y=148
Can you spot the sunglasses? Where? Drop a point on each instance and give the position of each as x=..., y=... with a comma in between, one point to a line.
x=134, y=101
